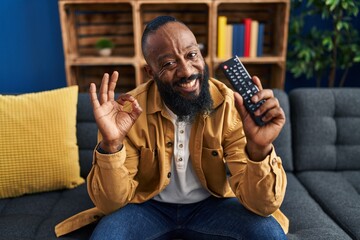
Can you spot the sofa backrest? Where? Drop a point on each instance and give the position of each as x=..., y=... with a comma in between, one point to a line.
x=326, y=128
x=86, y=131
x=283, y=142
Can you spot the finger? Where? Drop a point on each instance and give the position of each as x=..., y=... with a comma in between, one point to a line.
x=93, y=96
x=267, y=106
x=257, y=82
x=125, y=98
x=136, y=110
x=262, y=94
x=275, y=115
x=112, y=85
x=103, y=94
x=244, y=114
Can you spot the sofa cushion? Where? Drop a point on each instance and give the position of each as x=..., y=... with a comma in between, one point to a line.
x=326, y=132
x=283, y=141
x=35, y=216
x=86, y=133
x=307, y=218
x=338, y=194
x=38, y=142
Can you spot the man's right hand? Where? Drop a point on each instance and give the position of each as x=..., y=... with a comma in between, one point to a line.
x=113, y=122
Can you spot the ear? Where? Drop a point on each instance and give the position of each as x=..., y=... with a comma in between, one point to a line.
x=149, y=71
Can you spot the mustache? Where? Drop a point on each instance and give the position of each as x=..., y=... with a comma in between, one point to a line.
x=186, y=79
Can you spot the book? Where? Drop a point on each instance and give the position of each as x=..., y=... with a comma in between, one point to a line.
x=238, y=40
x=235, y=39
x=254, y=38
x=221, y=48
x=260, y=44
x=229, y=41
x=247, y=35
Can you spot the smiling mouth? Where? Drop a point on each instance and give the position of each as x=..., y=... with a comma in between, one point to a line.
x=189, y=84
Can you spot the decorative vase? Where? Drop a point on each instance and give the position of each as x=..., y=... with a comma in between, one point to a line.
x=105, y=52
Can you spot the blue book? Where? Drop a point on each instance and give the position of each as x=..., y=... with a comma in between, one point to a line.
x=238, y=39
x=260, y=44
x=235, y=39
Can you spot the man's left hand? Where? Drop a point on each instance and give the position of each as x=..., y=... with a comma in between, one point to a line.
x=260, y=138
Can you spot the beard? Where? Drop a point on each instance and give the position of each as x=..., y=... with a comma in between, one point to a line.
x=187, y=108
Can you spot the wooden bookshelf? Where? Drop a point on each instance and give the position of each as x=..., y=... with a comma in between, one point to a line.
x=122, y=21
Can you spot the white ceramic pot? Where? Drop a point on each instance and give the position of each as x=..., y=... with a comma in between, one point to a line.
x=105, y=52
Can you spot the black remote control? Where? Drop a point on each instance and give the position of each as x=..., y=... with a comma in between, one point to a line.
x=242, y=82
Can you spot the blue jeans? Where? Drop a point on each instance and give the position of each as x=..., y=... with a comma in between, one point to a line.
x=212, y=218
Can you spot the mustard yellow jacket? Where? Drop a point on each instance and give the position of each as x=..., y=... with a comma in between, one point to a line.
x=142, y=168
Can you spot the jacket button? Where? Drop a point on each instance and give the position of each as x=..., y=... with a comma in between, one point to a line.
x=169, y=175
x=273, y=161
x=214, y=153
x=169, y=144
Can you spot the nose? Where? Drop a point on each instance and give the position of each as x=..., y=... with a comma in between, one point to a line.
x=184, y=69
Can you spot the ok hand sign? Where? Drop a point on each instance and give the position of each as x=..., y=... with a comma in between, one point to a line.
x=113, y=122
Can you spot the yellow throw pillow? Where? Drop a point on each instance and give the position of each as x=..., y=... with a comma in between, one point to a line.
x=38, y=144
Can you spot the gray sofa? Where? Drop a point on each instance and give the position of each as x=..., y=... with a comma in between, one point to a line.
x=319, y=146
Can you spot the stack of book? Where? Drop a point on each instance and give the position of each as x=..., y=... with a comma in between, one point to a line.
x=245, y=39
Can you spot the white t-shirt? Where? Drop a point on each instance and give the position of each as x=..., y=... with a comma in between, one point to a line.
x=184, y=186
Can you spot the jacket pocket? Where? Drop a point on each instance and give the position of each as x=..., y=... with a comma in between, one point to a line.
x=214, y=169
x=148, y=169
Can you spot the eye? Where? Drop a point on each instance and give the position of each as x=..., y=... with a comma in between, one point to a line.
x=192, y=54
x=168, y=64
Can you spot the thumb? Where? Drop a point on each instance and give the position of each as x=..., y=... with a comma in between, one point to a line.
x=239, y=105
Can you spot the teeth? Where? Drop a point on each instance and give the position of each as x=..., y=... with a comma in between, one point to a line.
x=188, y=84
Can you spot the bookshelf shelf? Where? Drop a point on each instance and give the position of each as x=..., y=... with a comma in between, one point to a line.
x=122, y=21
x=255, y=60
x=93, y=60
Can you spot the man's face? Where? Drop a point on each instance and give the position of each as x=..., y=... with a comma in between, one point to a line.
x=177, y=66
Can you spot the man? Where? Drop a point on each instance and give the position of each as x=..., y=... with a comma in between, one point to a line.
x=159, y=170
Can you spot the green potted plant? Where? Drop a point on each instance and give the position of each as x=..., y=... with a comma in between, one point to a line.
x=104, y=46
x=323, y=52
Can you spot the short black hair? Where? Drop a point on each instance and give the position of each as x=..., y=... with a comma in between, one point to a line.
x=154, y=25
